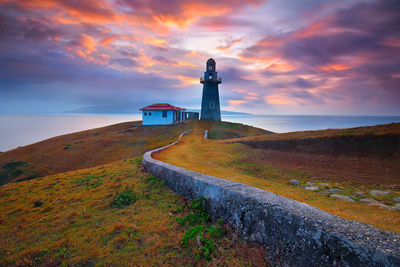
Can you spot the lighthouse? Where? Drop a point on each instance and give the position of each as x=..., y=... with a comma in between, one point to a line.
x=210, y=110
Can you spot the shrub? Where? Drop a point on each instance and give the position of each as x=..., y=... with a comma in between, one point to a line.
x=124, y=199
x=92, y=181
x=13, y=164
x=200, y=231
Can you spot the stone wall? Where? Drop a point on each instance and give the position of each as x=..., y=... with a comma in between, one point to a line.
x=292, y=233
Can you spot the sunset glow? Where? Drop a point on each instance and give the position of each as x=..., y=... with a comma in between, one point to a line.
x=318, y=57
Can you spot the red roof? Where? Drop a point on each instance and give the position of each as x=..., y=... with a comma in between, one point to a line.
x=163, y=106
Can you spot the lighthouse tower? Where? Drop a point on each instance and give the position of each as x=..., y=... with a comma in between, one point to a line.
x=210, y=110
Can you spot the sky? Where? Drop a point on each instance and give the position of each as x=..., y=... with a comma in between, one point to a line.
x=317, y=57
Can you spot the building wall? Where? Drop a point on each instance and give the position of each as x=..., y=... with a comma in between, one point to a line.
x=210, y=109
x=192, y=115
x=156, y=117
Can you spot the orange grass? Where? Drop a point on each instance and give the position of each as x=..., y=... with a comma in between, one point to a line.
x=228, y=161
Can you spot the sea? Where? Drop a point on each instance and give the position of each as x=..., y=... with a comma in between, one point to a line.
x=21, y=130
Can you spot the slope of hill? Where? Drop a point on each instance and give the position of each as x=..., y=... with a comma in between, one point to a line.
x=369, y=141
x=99, y=146
x=328, y=176
x=110, y=214
x=365, y=155
x=79, y=218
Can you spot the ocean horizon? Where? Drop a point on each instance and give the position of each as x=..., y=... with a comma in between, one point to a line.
x=21, y=130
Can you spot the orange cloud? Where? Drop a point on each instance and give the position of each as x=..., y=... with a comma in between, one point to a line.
x=269, y=60
x=193, y=54
x=277, y=99
x=229, y=45
x=75, y=12
x=186, y=80
x=82, y=46
x=396, y=75
x=250, y=97
x=187, y=64
x=335, y=67
x=161, y=15
x=281, y=67
x=237, y=102
x=312, y=30
x=270, y=42
x=157, y=15
x=269, y=63
x=108, y=40
x=395, y=42
x=146, y=61
x=154, y=41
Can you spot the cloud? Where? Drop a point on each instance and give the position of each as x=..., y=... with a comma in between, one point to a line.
x=350, y=46
x=223, y=22
x=160, y=14
x=229, y=44
x=272, y=56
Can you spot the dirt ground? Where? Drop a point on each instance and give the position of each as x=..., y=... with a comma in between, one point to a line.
x=354, y=170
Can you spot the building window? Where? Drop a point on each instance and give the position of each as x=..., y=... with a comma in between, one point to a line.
x=145, y=114
x=209, y=67
x=164, y=114
x=211, y=104
x=149, y=113
x=210, y=77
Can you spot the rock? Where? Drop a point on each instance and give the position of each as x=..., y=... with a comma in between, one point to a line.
x=342, y=197
x=370, y=201
x=396, y=199
x=397, y=205
x=359, y=194
x=312, y=188
x=334, y=190
x=294, y=182
x=38, y=203
x=378, y=193
x=309, y=183
x=58, y=200
x=198, y=239
x=324, y=184
x=386, y=207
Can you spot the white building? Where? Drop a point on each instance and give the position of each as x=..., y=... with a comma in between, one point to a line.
x=161, y=114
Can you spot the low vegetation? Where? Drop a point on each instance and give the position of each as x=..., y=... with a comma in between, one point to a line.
x=200, y=231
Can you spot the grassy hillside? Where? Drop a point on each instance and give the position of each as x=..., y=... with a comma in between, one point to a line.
x=112, y=213
x=83, y=150
x=73, y=218
x=378, y=130
x=271, y=169
x=99, y=146
x=372, y=141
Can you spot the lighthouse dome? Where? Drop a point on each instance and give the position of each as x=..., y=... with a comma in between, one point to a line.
x=210, y=65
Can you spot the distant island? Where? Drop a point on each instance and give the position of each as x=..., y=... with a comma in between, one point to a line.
x=130, y=109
